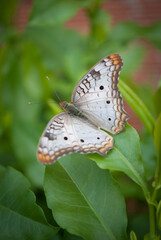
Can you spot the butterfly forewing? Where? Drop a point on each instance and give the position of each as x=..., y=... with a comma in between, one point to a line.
x=66, y=134
x=97, y=95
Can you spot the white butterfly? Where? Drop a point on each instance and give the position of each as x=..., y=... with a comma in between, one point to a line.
x=95, y=104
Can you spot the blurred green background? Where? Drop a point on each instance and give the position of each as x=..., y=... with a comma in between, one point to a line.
x=43, y=44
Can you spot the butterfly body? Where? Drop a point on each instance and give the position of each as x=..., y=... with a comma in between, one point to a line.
x=96, y=104
x=72, y=109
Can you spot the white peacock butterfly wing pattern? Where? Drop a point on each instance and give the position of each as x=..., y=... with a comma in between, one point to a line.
x=97, y=95
x=66, y=133
x=95, y=103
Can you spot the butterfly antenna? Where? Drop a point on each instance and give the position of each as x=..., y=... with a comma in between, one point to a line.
x=53, y=89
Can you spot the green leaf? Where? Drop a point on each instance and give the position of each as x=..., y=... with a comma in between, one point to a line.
x=68, y=236
x=7, y=10
x=125, y=156
x=138, y=106
x=27, y=134
x=152, y=33
x=151, y=237
x=126, y=32
x=149, y=154
x=99, y=20
x=84, y=199
x=21, y=83
x=157, y=99
x=133, y=236
x=157, y=141
x=139, y=223
x=145, y=93
x=57, y=55
x=132, y=58
x=20, y=216
x=52, y=12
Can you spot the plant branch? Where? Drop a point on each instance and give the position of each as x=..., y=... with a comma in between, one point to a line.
x=152, y=220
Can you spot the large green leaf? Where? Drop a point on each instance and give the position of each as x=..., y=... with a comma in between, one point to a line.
x=20, y=216
x=125, y=156
x=84, y=199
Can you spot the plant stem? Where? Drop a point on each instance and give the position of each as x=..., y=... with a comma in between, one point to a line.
x=152, y=220
x=152, y=207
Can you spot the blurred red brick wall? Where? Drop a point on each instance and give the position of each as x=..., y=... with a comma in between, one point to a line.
x=144, y=12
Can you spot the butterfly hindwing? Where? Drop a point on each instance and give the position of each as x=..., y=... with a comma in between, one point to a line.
x=66, y=133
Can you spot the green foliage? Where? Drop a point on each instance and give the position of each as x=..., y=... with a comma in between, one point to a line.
x=138, y=106
x=122, y=159
x=52, y=12
x=6, y=13
x=133, y=236
x=157, y=141
x=75, y=189
x=83, y=198
x=19, y=213
x=157, y=99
